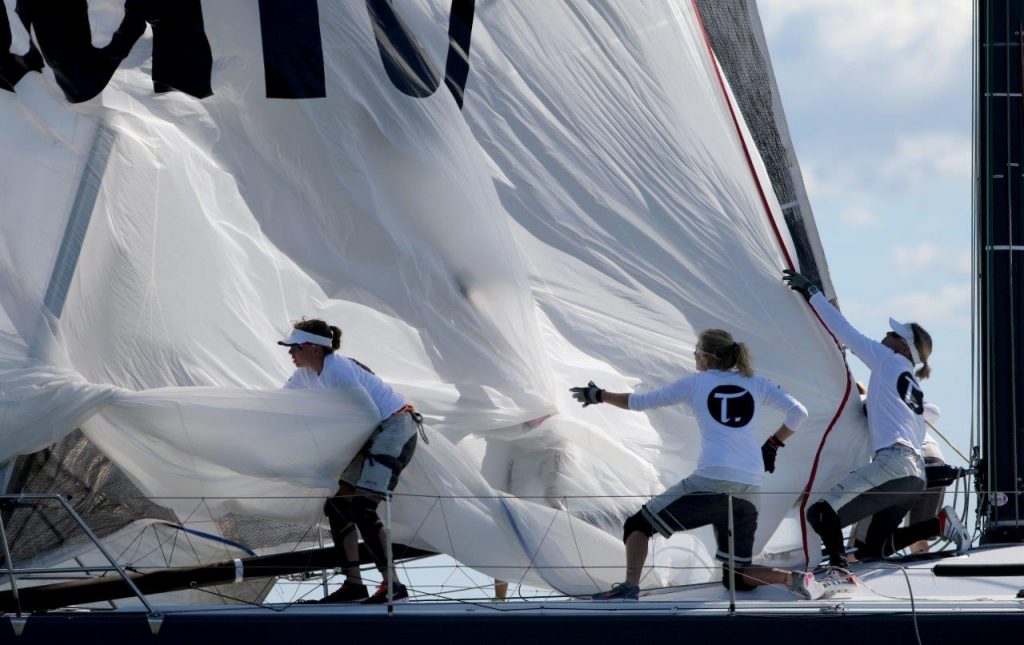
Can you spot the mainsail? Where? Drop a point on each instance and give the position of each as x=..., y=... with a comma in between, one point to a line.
x=577, y=200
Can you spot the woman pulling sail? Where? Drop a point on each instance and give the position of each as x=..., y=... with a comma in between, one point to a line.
x=890, y=485
x=726, y=397
x=374, y=471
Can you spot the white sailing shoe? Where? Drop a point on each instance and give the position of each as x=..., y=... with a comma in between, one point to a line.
x=953, y=530
x=805, y=585
x=838, y=580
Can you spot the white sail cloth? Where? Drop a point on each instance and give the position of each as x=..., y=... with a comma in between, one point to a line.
x=586, y=215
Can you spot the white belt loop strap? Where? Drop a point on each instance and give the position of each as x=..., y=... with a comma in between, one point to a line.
x=239, y=570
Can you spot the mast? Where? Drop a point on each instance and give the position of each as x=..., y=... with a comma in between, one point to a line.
x=999, y=220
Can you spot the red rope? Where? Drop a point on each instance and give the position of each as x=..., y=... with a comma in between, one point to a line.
x=791, y=265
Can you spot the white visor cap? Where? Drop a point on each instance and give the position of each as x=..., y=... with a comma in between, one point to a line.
x=297, y=337
x=906, y=332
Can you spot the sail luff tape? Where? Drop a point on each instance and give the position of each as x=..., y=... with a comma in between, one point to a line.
x=239, y=570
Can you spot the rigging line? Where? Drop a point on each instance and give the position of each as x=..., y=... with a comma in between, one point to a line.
x=789, y=261
x=270, y=582
x=522, y=542
x=910, y=590
x=575, y=542
x=448, y=532
x=948, y=442
x=242, y=601
x=975, y=390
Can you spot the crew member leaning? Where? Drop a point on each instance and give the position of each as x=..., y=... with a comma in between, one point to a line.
x=374, y=471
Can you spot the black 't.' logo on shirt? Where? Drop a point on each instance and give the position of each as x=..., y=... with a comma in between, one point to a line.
x=910, y=393
x=731, y=405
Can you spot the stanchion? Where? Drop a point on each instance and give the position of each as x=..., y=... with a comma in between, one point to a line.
x=732, y=561
x=388, y=577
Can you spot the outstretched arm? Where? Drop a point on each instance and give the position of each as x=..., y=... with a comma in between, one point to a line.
x=592, y=394
x=676, y=392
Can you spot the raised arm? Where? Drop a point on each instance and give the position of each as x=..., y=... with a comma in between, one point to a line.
x=871, y=352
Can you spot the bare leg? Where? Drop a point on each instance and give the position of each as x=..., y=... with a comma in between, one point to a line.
x=921, y=546
x=757, y=575
x=636, y=555
x=351, y=547
x=383, y=542
x=500, y=589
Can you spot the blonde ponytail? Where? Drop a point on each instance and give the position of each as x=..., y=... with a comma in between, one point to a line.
x=743, y=364
x=724, y=353
x=923, y=344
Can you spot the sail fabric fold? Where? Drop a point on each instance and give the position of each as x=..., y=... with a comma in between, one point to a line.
x=584, y=215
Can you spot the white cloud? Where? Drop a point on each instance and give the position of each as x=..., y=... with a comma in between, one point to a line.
x=949, y=305
x=918, y=43
x=946, y=306
x=858, y=217
x=924, y=158
x=916, y=257
x=833, y=182
x=962, y=261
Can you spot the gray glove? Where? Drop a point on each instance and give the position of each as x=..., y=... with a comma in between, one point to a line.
x=797, y=282
x=588, y=395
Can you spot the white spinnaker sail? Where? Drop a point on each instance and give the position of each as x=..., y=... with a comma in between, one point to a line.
x=588, y=212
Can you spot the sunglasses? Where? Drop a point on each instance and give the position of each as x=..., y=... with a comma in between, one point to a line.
x=294, y=348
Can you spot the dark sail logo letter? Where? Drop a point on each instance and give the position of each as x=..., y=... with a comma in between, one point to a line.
x=182, y=59
x=12, y=66
x=731, y=405
x=403, y=58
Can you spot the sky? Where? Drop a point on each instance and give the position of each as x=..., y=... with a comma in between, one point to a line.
x=878, y=100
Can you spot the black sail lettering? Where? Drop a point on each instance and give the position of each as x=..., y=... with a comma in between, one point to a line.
x=182, y=59
x=460, y=31
x=403, y=57
x=13, y=67
x=293, y=55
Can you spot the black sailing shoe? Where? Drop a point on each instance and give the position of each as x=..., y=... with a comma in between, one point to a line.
x=347, y=592
x=380, y=597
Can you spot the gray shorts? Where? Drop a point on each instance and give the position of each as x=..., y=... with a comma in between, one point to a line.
x=895, y=477
x=376, y=467
x=930, y=502
x=698, y=501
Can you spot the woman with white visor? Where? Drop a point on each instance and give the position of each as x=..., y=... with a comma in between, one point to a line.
x=374, y=471
x=893, y=481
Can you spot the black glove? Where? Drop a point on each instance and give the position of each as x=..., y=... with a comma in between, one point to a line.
x=797, y=282
x=588, y=395
x=768, y=451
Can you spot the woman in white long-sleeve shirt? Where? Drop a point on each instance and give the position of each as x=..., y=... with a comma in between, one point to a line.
x=726, y=399
x=374, y=471
x=890, y=485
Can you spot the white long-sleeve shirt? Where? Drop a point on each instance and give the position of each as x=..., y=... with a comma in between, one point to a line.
x=895, y=402
x=340, y=372
x=727, y=406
